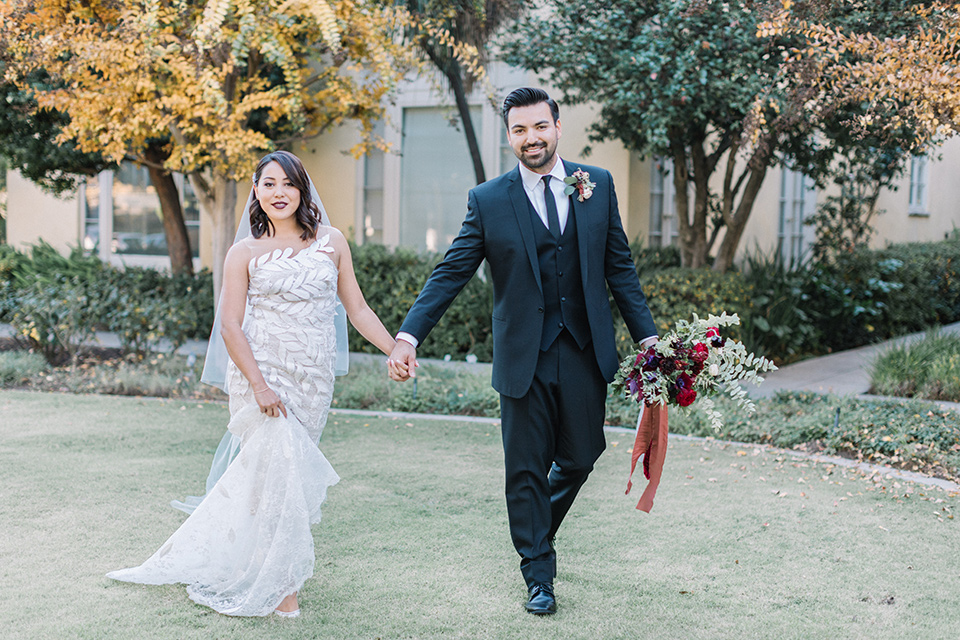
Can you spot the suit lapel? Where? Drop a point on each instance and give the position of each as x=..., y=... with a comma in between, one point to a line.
x=521, y=207
x=581, y=211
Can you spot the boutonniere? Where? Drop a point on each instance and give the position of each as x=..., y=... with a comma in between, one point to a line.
x=579, y=182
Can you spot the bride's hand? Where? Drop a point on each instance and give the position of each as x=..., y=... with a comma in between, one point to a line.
x=270, y=403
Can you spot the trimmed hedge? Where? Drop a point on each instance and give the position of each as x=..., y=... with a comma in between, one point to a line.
x=787, y=313
x=55, y=303
x=676, y=293
x=391, y=280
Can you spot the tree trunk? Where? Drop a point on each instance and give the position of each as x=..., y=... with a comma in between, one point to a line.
x=701, y=205
x=682, y=199
x=452, y=72
x=738, y=222
x=218, y=200
x=174, y=227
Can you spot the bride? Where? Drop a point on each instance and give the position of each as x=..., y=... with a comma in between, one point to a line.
x=247, y=549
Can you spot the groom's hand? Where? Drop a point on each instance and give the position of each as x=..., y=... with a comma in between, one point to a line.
x=402, y=363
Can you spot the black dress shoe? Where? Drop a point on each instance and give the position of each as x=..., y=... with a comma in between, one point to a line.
x=541, y=602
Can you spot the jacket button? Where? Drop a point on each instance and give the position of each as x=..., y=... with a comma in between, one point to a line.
x=559, y=248
x=539, y=309
x=560, y=325
x=563, y=299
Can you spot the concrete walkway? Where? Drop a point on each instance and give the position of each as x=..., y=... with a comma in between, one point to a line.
x=842, y=373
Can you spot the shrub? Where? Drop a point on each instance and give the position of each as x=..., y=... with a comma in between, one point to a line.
x=146, y=308
x=779, y=325
x=648, y=259
x=17, y=367
x=56, y=318
x=929, y=368
x=677, y=293
x=439, y=389
x=911, y=434
x=153, y=311
x=447, y=390
x=867, y=296
x=944, y=380
x=391, y=281
x=45, y=264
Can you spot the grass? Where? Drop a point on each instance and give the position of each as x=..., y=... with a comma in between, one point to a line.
x=929, y=368
x=743, y=541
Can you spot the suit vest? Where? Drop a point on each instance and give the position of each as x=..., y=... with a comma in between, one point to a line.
x=563, y=302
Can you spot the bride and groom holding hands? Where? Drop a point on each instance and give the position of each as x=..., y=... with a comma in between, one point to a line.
x=551, y=233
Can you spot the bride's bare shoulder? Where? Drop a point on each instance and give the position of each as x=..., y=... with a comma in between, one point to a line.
x=324, y=230
x=242, y=250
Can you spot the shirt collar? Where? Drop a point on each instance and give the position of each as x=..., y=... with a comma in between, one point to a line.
x=531, y=178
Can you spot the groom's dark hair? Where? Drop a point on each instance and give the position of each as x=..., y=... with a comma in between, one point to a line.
x=525, y=97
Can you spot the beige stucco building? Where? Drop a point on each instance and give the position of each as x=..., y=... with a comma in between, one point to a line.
x=415, y=195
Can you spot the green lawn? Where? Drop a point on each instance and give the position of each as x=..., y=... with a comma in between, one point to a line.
x=742, y=543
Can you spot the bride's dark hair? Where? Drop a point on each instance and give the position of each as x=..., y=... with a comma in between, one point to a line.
x=307, y=214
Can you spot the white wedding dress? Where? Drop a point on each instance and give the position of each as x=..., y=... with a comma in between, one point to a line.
x=248, y=544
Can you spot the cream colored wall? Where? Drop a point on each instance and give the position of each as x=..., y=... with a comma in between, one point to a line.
x=33, y=214
x=635, y=201
x=334, y=172
x=895, y=224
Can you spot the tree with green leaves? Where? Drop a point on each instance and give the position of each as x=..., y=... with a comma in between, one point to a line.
x=695, y=81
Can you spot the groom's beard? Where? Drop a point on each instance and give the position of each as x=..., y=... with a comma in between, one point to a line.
x=549, y=152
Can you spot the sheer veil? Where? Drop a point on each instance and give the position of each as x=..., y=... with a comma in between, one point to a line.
x=215, y=365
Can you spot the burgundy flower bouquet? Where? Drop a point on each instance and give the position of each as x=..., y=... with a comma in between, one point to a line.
x=693, y=361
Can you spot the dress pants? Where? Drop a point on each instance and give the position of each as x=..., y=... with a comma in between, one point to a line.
x=552, y=437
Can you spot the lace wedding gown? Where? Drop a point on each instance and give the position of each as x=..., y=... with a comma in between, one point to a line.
x=248, y=544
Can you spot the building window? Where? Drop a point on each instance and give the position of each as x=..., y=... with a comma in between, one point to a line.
x=122, y=217
x=798, y=201
x=507, y=157
x=371, y=216
x=919, y=186
x=435, y=173
x=90, y=207
x=664, y=229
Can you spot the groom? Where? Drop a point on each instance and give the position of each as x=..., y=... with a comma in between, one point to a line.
x=554, y=351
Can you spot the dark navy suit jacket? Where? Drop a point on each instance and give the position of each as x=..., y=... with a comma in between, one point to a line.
x=499, y=227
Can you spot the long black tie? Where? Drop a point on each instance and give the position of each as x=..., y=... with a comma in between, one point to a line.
x=553, y=218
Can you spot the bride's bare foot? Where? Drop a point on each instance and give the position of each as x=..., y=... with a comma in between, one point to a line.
x=289, y=607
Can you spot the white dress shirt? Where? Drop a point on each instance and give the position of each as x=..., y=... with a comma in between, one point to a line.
x=533, y=185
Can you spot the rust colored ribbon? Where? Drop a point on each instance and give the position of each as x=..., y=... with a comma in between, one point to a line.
x=651, y=443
